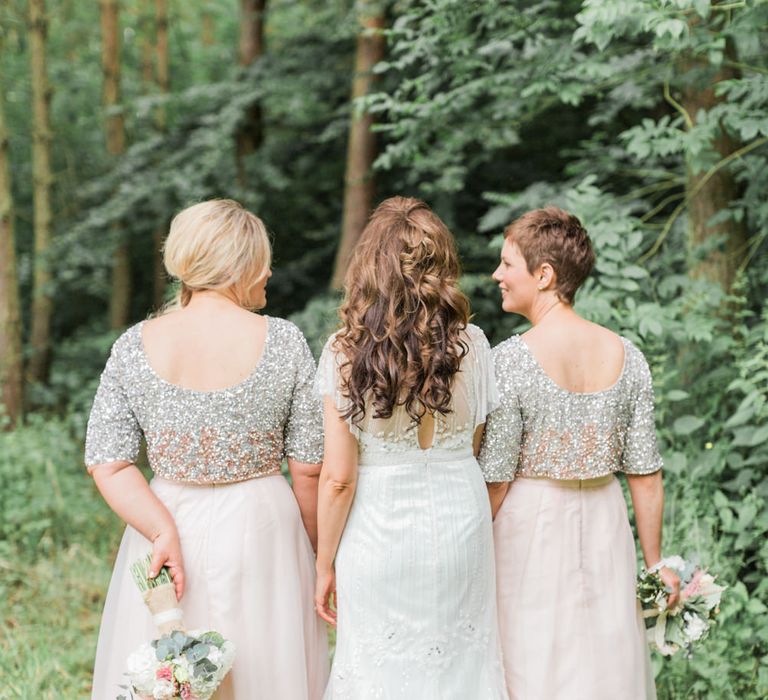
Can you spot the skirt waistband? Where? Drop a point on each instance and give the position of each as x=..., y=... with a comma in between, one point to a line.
x=593, y=483
x=413, y=457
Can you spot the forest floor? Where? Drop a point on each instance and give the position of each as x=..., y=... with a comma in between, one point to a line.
x=51, y=620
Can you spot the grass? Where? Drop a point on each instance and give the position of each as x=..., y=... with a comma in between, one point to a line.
x=50, y=622
x=57, y=544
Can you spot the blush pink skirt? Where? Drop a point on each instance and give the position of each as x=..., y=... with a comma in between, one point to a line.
x=569, y=620
x=249, y=575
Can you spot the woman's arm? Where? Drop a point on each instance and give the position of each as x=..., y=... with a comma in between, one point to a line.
x=305, y=477
x=647, y=491
x=497, y=491
x=127, y=492
x=338, y=480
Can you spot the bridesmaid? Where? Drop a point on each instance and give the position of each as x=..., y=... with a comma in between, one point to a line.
x=220, y=395
x=577, y=407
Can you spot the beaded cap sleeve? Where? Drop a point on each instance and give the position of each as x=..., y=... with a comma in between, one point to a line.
x=473, y=397
x=219, y=436
x=543, y=430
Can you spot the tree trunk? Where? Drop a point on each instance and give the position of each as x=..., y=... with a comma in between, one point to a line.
x=120, y=298
x=161, y=78
x=146, y=22
x=42, y=305
x=11, y=386
x=207, y=29
x=719, y=191
x=361, y=148
x=251, y=132
x=162, y=73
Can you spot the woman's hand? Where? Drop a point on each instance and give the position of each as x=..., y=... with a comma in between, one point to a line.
x=166, y=551
x=325, y=590
x=128, y=494
x=672, y=581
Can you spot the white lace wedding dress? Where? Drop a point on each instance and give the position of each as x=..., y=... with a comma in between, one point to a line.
x=415, y=565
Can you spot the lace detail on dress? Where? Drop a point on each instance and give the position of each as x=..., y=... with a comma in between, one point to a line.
x=418, y=653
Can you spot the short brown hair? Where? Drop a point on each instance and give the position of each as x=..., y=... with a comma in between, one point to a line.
x=554, y=236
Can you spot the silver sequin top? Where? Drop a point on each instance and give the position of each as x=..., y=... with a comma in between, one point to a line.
x=543, y=430
x=209, y=437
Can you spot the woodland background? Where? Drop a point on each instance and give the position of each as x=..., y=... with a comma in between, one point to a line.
x=646, y=118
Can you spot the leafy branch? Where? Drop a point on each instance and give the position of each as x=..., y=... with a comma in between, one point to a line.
x=696, y=189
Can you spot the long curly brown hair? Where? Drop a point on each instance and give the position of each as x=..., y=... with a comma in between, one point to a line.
x=403, y=314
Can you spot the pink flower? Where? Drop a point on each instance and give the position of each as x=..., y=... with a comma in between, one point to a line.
x=693, y=585
x=186, y=691
x=164, y=673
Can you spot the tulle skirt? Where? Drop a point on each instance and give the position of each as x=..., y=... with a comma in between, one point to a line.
x=249, y=575
x=569, y=620
x=415, y=583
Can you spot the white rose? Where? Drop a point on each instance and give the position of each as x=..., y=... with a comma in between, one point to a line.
x=674, y=562
x=228, y=655
x=163, y=690
x=183, y=670
x=695, y=627
x=214, y=655
x=141, y=666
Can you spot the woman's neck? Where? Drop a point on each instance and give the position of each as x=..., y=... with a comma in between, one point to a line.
x=211, y=297
x=549, y=308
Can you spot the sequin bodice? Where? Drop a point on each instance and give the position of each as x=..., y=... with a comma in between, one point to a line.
x=543, y=430
x=219, y=436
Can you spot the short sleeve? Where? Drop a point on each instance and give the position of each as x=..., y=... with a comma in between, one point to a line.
x=304, y=427
x=641, y=451
x=328, y=382
x=486, y=391
x=500, y=449
x=113, y=433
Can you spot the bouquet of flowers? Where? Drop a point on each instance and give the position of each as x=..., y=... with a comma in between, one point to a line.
x=179, y=664
x=689, y=620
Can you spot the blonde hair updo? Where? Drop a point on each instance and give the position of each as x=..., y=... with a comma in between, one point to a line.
x=217, y=245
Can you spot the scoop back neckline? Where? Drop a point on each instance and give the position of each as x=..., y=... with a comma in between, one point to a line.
x=204, y=392
x=562, y=389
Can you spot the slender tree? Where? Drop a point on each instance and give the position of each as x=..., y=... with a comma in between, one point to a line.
x=361, y=146
x=251, y=47
x=42, y=304
x=711, y=192
x=120, y=298
x=162, y=72
x=10, y=322
x=147, y=49
x=155, y=77
x=207, y=29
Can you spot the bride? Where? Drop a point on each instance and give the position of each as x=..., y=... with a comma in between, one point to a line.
x=405, y=541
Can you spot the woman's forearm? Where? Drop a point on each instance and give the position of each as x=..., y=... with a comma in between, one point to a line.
x=334, y=502
x=305, y=480
x=127, y=492
x=647, y=493
x=496, y=493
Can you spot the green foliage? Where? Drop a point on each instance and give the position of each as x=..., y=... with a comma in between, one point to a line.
x=41, y=482
x=57, y=541
x=318, y=320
